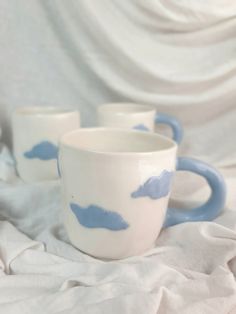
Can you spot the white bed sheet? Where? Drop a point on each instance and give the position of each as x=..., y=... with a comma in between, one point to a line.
x=192, y=269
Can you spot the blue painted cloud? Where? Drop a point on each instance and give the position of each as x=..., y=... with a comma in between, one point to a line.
x=155, y=187
x=97, y=217
x=44, y=151
x=141, y=127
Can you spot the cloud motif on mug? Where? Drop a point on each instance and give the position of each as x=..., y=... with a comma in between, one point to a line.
x=155, y=187
x=141, y=127
x=43, y=151
x=96, y=217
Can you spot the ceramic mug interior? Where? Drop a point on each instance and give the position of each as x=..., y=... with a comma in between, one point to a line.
x=103, y=140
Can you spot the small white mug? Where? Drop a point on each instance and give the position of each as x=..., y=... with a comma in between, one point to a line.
x=136, y=116
x=36, y=132
x=116, y=186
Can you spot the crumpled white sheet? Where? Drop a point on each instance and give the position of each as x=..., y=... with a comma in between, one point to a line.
x=192, y=269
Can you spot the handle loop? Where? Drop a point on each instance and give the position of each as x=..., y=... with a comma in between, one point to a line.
x=216, y=201
x=173, y=123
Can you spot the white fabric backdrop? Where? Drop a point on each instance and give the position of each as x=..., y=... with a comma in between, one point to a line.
x=179, y=56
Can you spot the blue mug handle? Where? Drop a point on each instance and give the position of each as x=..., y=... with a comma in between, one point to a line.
x=173, y=123
x=215, y=203
x=58, y=168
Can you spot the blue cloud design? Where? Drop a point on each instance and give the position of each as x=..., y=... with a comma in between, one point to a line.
x=141, y=127
x=155, y=187
x=44, y=151
x=96, y=217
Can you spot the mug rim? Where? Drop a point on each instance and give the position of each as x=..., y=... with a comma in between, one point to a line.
x=43, y=111
x=109, y=108
x=171, y=144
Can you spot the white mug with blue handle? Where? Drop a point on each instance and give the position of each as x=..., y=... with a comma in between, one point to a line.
x=36, y=132
x=136, y=116
x=117, y=184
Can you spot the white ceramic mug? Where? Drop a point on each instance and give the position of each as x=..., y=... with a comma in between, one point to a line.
x=36, y=132
x=116, y=186
x=136, y=116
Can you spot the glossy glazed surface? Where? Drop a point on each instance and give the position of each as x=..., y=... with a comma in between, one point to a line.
x=136, y=116
x=36, y=132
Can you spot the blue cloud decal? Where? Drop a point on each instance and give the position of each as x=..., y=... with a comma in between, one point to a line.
x=97, y=217
x=155, y=187
x=43, y=151
x=141, y=127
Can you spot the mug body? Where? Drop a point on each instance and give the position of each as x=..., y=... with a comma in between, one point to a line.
x=36, y=132
x=116, y=186
x=127, y=116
